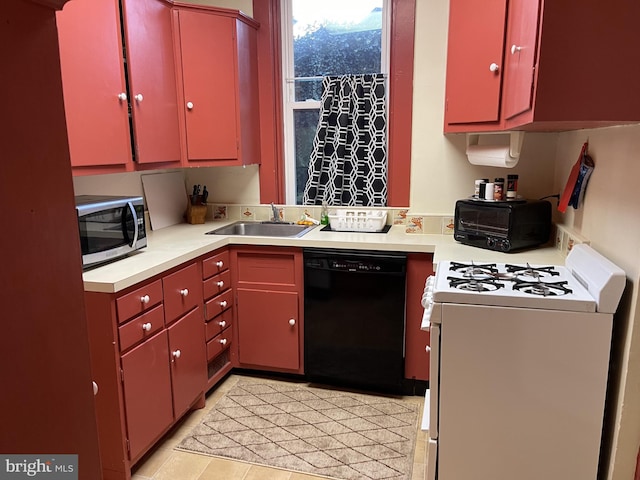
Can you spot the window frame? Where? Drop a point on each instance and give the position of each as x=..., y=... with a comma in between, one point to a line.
x=400, y=80
x=290, y=105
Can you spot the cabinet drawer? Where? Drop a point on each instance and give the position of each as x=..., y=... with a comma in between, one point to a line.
x=141, y=327
x=138, y=301
x=215, y=264
x=218, y=304
x=217, y=284
x=182, y=292
x=219, y=343
x=267, y=268
x=219, y=323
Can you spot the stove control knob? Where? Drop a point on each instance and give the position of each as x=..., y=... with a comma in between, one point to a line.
x=490, y=242
x=505, y=245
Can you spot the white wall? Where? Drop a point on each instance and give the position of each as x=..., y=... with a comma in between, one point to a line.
x=610, y=218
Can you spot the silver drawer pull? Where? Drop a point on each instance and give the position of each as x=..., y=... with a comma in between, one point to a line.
x=146, y=326
x=145, y=299
x=223, y=341
x=223, y=303
x=222, y=323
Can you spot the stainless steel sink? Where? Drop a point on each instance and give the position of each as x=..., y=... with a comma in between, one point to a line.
x=263, y=229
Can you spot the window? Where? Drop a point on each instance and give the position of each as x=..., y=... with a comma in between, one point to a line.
x=333, y=37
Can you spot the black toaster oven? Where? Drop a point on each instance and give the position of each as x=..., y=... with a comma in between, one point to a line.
x=502, y=225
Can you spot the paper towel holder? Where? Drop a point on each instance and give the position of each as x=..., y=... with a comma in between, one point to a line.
x=516, y=138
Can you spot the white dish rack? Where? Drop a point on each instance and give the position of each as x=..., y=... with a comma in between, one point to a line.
x=351, y=220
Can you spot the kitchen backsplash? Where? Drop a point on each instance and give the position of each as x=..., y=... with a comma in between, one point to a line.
x=414, y=223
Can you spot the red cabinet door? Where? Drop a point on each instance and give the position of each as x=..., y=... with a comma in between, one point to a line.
x=476, y=41
x=520, y=56
x=147, y=392
x=152, y=80
x=266, y=336
x=92, y=79
x=209, y=78
x=187, y=351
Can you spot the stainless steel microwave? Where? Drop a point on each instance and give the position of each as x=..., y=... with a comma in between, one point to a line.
x=110, y=227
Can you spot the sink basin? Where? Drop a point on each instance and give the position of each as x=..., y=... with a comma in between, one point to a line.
x=263, y=229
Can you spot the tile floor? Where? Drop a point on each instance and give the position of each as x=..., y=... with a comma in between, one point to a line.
x=165, y=463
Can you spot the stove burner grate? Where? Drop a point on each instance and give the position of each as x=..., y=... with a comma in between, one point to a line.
x=472, y=270
x=544, y=289
x=534, y=272
x=475, y=285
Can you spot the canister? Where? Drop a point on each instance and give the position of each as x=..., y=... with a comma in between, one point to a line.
x=512, y=186
x=498, y=189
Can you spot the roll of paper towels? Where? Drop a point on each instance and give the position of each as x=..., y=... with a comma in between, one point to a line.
x=491, y=156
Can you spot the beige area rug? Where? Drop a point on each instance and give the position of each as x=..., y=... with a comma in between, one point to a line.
x=310, y=429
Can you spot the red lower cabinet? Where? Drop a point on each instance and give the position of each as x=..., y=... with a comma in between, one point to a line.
x=268, y=329
x=188, y=360
x=147, y=392
x=148, y=357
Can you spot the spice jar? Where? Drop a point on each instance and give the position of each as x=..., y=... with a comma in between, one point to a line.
x=498, y=189
x=512, y=186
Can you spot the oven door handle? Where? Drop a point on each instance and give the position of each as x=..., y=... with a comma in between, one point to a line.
x=135, y=224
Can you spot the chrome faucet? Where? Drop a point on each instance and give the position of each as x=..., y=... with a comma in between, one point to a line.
x=275, y=213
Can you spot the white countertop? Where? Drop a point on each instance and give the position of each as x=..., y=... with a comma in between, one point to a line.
x=172, y=246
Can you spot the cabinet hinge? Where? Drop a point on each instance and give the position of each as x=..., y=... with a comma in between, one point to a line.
x=128, y=446
x=122, y=375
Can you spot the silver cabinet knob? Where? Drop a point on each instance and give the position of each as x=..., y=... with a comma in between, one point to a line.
x=219, y=263
x=223, y=341
x=220, y=284
x=222, y=323
x=494, y=67
x=189, y=105
x=146, y=326
x=122, y=97
x=145, y=299
x=184, y=292
x=176, y=354
x=514, y=49
x=139, y=97
x=223, y=303
x=292, y=322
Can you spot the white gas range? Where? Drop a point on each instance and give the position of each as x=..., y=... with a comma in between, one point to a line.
x=519, y=367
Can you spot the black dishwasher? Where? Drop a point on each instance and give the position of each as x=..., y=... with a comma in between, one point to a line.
x=354, y=318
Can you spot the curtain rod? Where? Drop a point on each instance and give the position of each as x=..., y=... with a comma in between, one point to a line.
x=311, y=79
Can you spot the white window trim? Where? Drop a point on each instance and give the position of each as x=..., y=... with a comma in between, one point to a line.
x=288, y=89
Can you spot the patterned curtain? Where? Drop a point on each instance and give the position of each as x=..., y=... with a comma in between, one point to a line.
x=348, y=164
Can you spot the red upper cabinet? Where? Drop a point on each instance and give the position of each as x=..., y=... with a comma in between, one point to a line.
x=152, y=80
x=208, y=76
x=563, y=65
x=474, y=67
x=94, y=86
x=97, y=62
x=217, y=53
